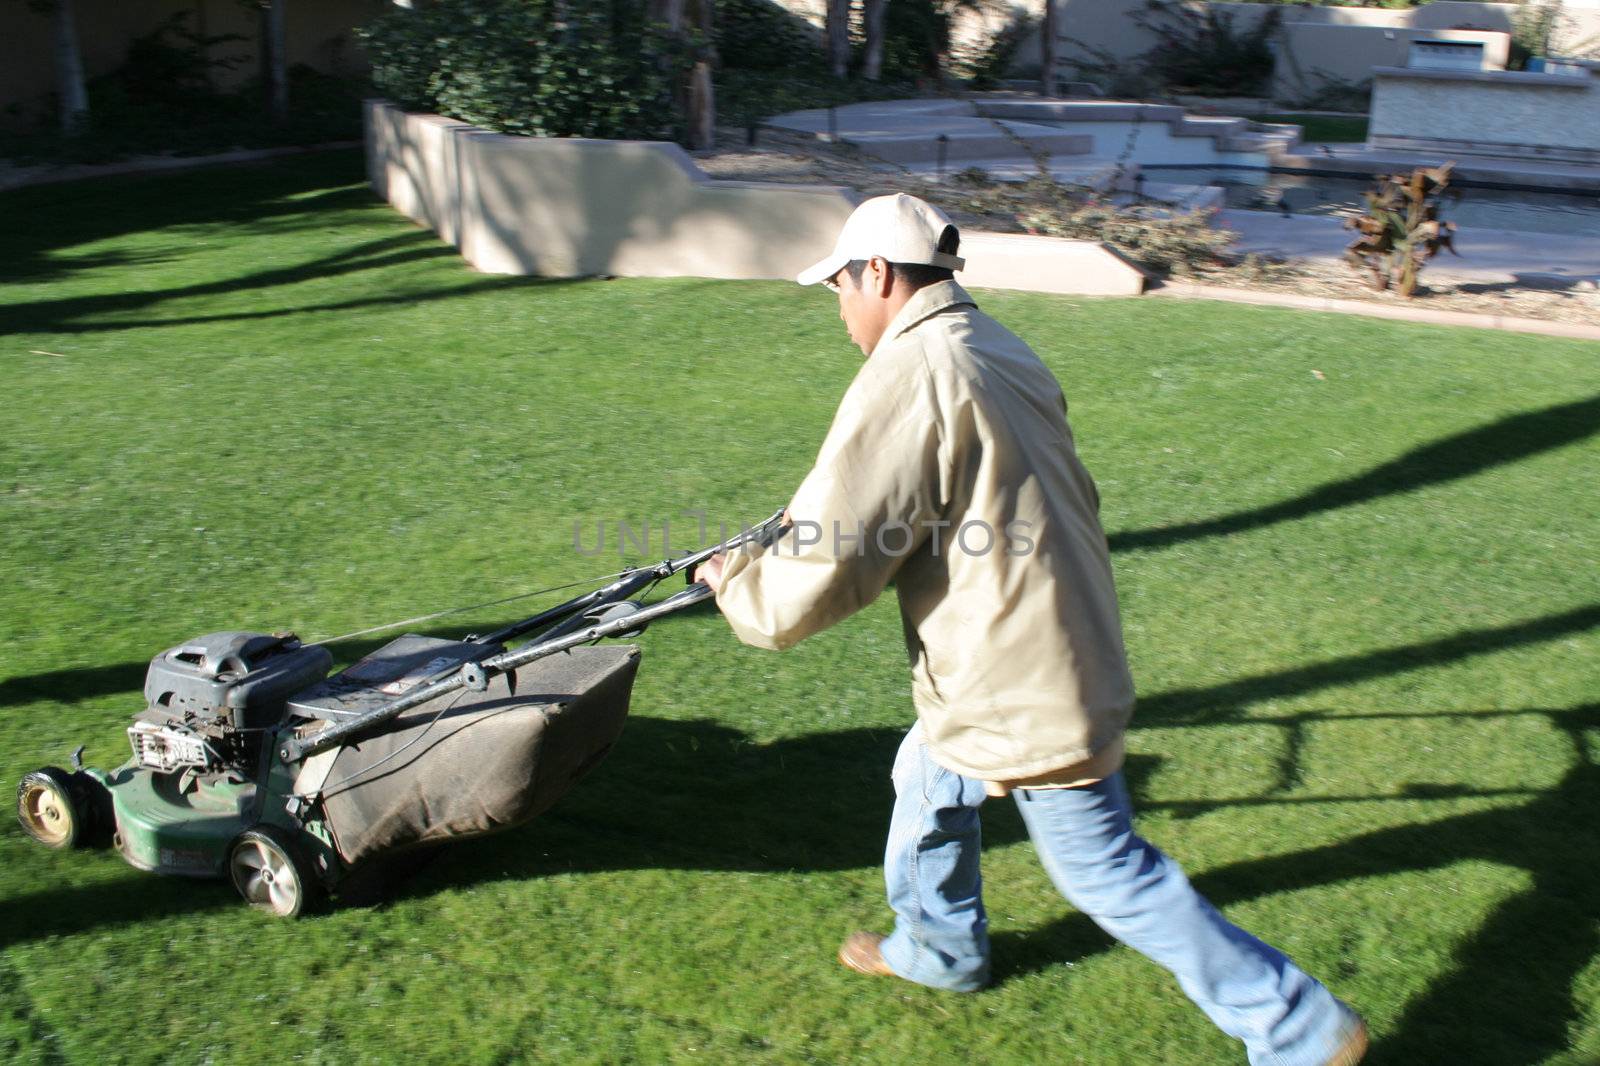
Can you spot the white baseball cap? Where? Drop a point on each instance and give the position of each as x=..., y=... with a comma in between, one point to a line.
x=898, y=228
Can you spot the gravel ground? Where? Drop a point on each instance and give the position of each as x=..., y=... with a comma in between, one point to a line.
x=781, y=156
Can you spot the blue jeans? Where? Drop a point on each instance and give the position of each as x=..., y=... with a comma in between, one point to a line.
x=1085, y=839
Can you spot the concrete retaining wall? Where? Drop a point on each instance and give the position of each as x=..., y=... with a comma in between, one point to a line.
x=567, y=207
x=570, y=207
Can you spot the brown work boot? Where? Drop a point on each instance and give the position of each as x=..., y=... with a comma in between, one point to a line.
x=1354, y=1047
x=863, y=953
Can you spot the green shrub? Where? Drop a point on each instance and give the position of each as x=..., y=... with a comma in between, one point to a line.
x=1202, y=51
x=772, y=61
x=1531, y=30
x=170, y=66
x=161, y=100
x=986, y=67
x=1333, y=93
x=748, y=96
x=759, y=35
x=533, y=67
x=916, y=38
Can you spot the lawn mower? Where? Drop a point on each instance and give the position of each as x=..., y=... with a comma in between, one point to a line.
x=250, y=762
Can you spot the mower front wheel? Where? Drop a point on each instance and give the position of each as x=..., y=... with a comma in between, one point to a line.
x=51, y=810
x=268, y=869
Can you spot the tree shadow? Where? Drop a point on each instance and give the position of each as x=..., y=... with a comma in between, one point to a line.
x=401, y=299
x=1508, y=996
x=132, y=899
x=672, y=795
x=43, y=219
x=1499, y=443
x=698, y=795
x=1544, y=281
x=1187, y=706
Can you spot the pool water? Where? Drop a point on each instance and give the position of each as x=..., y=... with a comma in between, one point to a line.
x=1529, y=210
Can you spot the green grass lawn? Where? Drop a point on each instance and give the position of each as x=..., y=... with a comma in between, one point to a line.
x=1320, y=129
x=1359, y=563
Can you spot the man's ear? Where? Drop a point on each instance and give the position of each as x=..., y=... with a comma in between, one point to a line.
x=881, y=276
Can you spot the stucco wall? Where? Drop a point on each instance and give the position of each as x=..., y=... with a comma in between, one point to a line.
x=1312, y=55
x=569, y=207
x=1346, y=42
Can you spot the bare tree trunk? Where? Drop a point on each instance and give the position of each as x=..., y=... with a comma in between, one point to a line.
x=872, y=62
x=1047, y=50
x=702, y=108
x=702, y=95
x=201, y=32
x=69, y=70
x=278, y=68
x=669, y=13
x=838, y=26
x=693, y=95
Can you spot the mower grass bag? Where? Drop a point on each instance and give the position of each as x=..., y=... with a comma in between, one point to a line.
x=491, y=760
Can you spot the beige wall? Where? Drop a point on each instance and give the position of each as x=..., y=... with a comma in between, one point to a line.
x=568, y=207
x=317, y=33
x=1090, y=27
x=1313, y=54
x=1346, y=42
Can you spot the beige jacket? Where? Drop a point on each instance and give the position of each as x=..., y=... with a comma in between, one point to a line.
x=950, y=469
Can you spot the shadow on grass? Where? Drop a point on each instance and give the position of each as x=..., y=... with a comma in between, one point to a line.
x=1506, y=441
x=135, y=898
x=66, y=315
x=400, y=299
x=1507, y=997
x=697, y=795
x=43, y=219
x=1198, y=705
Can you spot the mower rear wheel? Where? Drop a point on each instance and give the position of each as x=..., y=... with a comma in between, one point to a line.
x=267, y=868
x=49, y=809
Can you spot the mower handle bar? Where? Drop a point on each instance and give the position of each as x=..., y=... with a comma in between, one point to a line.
x=476, y=675
x=632, y=581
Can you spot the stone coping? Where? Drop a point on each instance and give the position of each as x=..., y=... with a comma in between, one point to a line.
x=1485, y=171
x=888, y=122
x=1185, y=290
x=1486, y=148
x=1517, y=78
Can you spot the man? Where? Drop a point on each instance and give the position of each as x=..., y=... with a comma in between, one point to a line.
x=950, y=469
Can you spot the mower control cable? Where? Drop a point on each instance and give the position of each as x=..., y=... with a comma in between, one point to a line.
x=476, y=675
x=470, y=607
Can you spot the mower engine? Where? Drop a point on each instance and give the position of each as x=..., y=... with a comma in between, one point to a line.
x=213, y=699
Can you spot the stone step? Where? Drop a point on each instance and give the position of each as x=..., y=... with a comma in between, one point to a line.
x=964, y=145
x=1099, y=175
x=1178, y=197
x=1229, y=133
